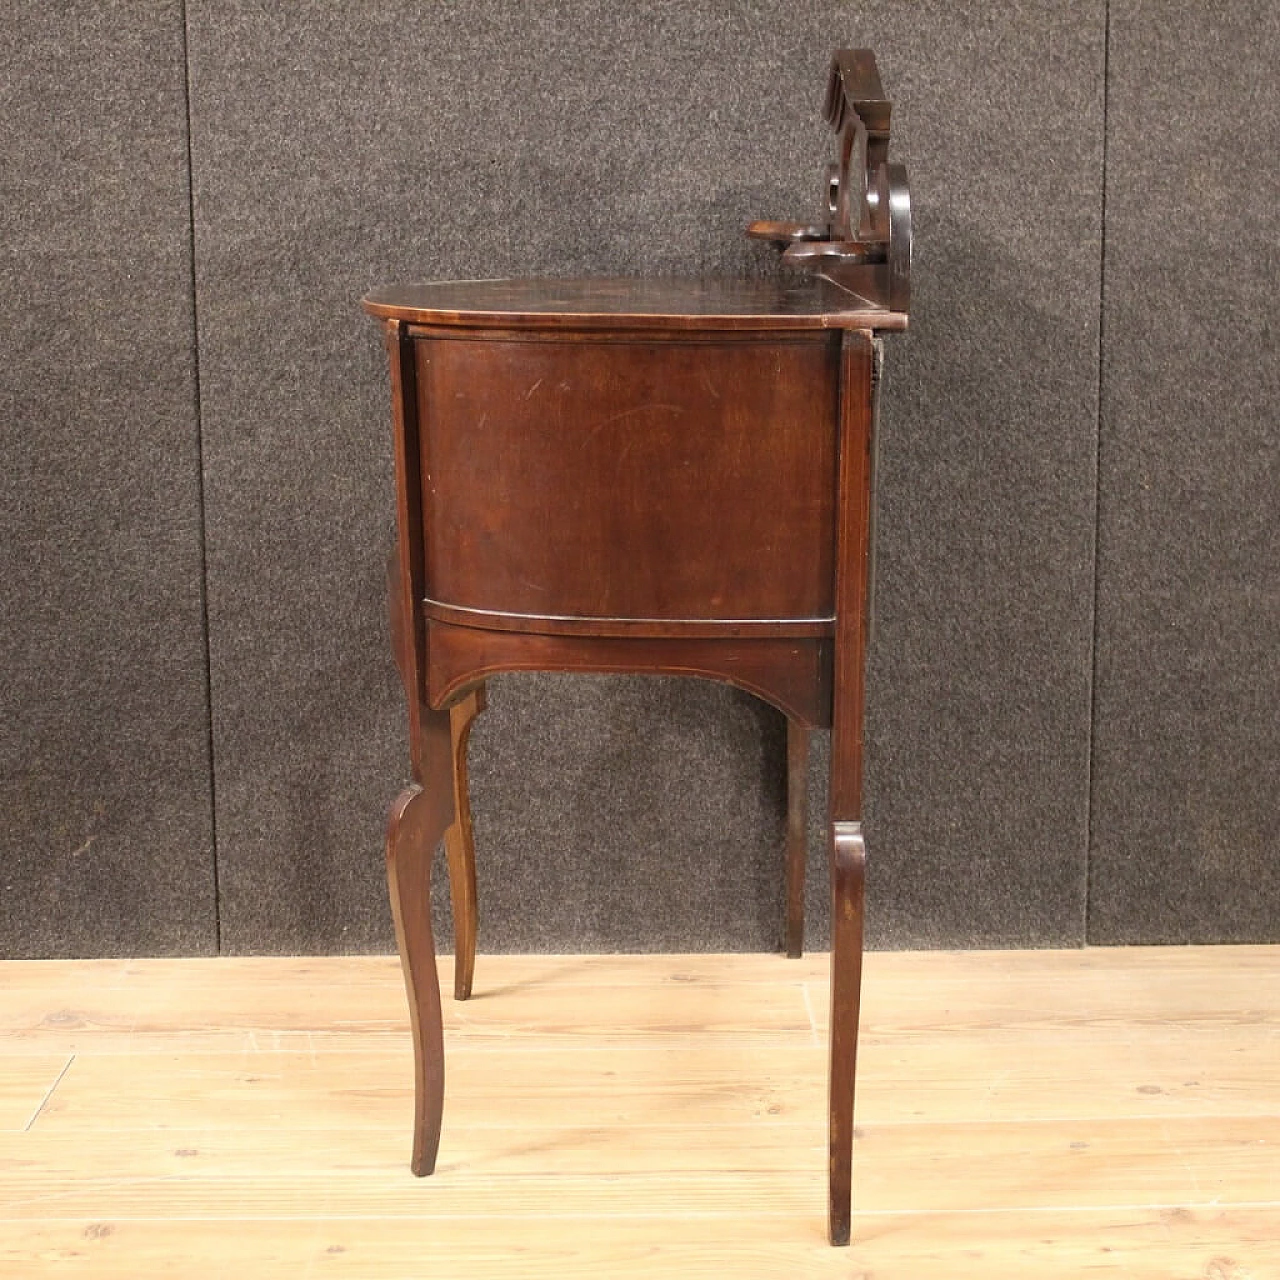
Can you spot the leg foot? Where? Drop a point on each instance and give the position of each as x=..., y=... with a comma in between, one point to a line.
x=848, y=884
x=414, y=828
x=797, y=824
x=460, y=849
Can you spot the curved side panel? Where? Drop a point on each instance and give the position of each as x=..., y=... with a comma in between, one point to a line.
x=629, y=479
x=793, y=675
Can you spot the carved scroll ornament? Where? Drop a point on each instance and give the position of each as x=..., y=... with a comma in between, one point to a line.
x=864, y=243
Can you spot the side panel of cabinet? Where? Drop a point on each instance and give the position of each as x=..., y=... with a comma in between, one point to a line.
x=634, y=478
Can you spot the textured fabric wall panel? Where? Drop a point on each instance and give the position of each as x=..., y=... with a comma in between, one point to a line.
x=104, y=791
x=1187, y=757
x=339, y=147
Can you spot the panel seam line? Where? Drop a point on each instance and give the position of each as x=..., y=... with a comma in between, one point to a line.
x=200, y=482
x=1090, y=775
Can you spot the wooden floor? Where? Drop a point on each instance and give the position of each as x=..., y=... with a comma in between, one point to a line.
x=1028, y=1114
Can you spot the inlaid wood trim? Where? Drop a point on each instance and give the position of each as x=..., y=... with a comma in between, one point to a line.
x=632, y=331
x=689, y=628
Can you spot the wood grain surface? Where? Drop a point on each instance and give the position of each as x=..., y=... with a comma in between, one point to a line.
x=704, y=303
x=1058, y=1114
x=630, y=478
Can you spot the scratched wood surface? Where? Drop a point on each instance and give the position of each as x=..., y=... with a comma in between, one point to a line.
x=1053, y=1114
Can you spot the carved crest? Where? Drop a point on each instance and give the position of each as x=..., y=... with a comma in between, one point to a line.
x=864, y=242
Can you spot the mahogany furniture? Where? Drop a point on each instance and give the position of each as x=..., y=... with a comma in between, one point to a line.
x=647, y=476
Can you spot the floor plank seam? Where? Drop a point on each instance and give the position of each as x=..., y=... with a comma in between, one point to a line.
x=859, y=1215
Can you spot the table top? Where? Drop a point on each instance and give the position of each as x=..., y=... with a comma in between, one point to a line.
x=641, y=303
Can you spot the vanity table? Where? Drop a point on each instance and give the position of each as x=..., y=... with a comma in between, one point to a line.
x=654, y=476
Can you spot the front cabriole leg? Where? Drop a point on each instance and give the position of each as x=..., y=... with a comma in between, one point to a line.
x=423, y=812
x=848, y=853
x=848, y=895
x=415, y=825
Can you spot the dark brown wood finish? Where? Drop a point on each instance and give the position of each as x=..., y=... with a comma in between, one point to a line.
x=552, y=624
x=704, y=306
x=848, y=852
x=549, y=462
x=793, y=675
x=864, y=241
x=421, y=814
x=460, y=849
x=647, y=476
x=417, y=820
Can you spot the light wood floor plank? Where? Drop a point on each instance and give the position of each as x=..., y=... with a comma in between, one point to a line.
x=247, y=1003
x=1106, y=1003
x=600, y=1171
x=25, y=1084
x=1156, y=1072
x=215, y=1015
x=1044, y=1114
x=1137, y=1244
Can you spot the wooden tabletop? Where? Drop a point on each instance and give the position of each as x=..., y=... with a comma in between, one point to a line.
x=727, y=304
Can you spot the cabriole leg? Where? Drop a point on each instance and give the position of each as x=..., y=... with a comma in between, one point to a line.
x=414, y=828
x=848, y=854
x=848, y=882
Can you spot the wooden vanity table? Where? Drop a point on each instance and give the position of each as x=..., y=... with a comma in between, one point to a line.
x=668, y=476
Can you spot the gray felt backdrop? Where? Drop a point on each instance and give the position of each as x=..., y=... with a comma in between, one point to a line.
x=1073, y=688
